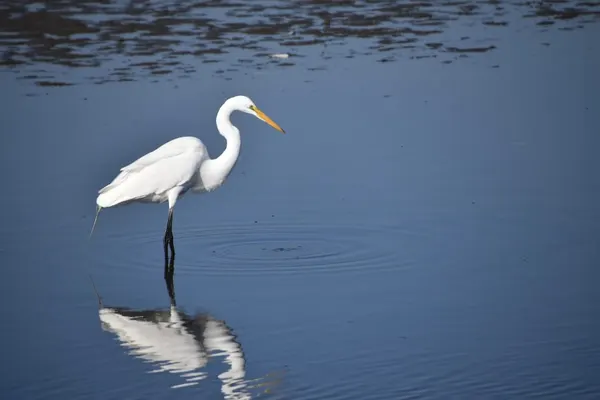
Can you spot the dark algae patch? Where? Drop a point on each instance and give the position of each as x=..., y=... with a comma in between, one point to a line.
x=179, y=38
x=50, y=83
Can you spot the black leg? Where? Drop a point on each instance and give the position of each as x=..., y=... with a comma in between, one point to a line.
x=170, y=226
x=166, y=257
x=168, y=241
x=170, y=283
x=169, y=232
x=169, y=263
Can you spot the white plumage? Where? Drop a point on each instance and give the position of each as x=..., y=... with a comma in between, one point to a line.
x=145, y=180
x=180, y=165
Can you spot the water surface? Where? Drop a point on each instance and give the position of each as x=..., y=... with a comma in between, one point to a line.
x=426, y=229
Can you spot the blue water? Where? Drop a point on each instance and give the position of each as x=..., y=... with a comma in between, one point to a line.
x=427, y=228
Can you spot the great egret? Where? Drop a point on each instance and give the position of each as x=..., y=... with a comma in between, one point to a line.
x=182, y=164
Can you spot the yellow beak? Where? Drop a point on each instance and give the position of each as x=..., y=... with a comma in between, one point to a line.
x=265, y=118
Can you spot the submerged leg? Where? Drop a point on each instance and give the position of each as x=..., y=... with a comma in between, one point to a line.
x=166, y=247
x=169, y=281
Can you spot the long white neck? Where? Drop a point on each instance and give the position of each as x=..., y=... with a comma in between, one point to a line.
x=215, y=171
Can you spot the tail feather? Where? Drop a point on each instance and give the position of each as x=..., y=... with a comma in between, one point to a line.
x=108, y=199
x=114, y=197
x=116, y=182
x=122, y=189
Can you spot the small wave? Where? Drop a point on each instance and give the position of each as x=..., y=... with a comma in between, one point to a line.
x=278, y=248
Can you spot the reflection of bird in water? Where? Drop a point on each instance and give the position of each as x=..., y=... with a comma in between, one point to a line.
x=182, y=164
x=180, y=344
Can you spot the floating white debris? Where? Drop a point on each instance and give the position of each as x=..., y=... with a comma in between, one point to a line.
x=280, y=55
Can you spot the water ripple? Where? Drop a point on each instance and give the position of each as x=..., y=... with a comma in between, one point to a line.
x=278, y=248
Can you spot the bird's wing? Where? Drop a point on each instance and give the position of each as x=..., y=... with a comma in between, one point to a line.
x=170, y=149
x=173, y=164
x=153, y=181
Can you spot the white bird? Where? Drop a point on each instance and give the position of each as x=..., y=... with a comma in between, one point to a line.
x=182, y=164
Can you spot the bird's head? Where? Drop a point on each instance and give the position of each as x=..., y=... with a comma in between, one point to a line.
x=245, y=104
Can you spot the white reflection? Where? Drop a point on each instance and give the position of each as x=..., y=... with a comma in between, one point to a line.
x=179, y=344
x=174, y=342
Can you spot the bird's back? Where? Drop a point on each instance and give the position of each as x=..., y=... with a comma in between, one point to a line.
x=150, y=177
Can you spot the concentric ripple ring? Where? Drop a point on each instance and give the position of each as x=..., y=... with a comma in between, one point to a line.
x=282, y=248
